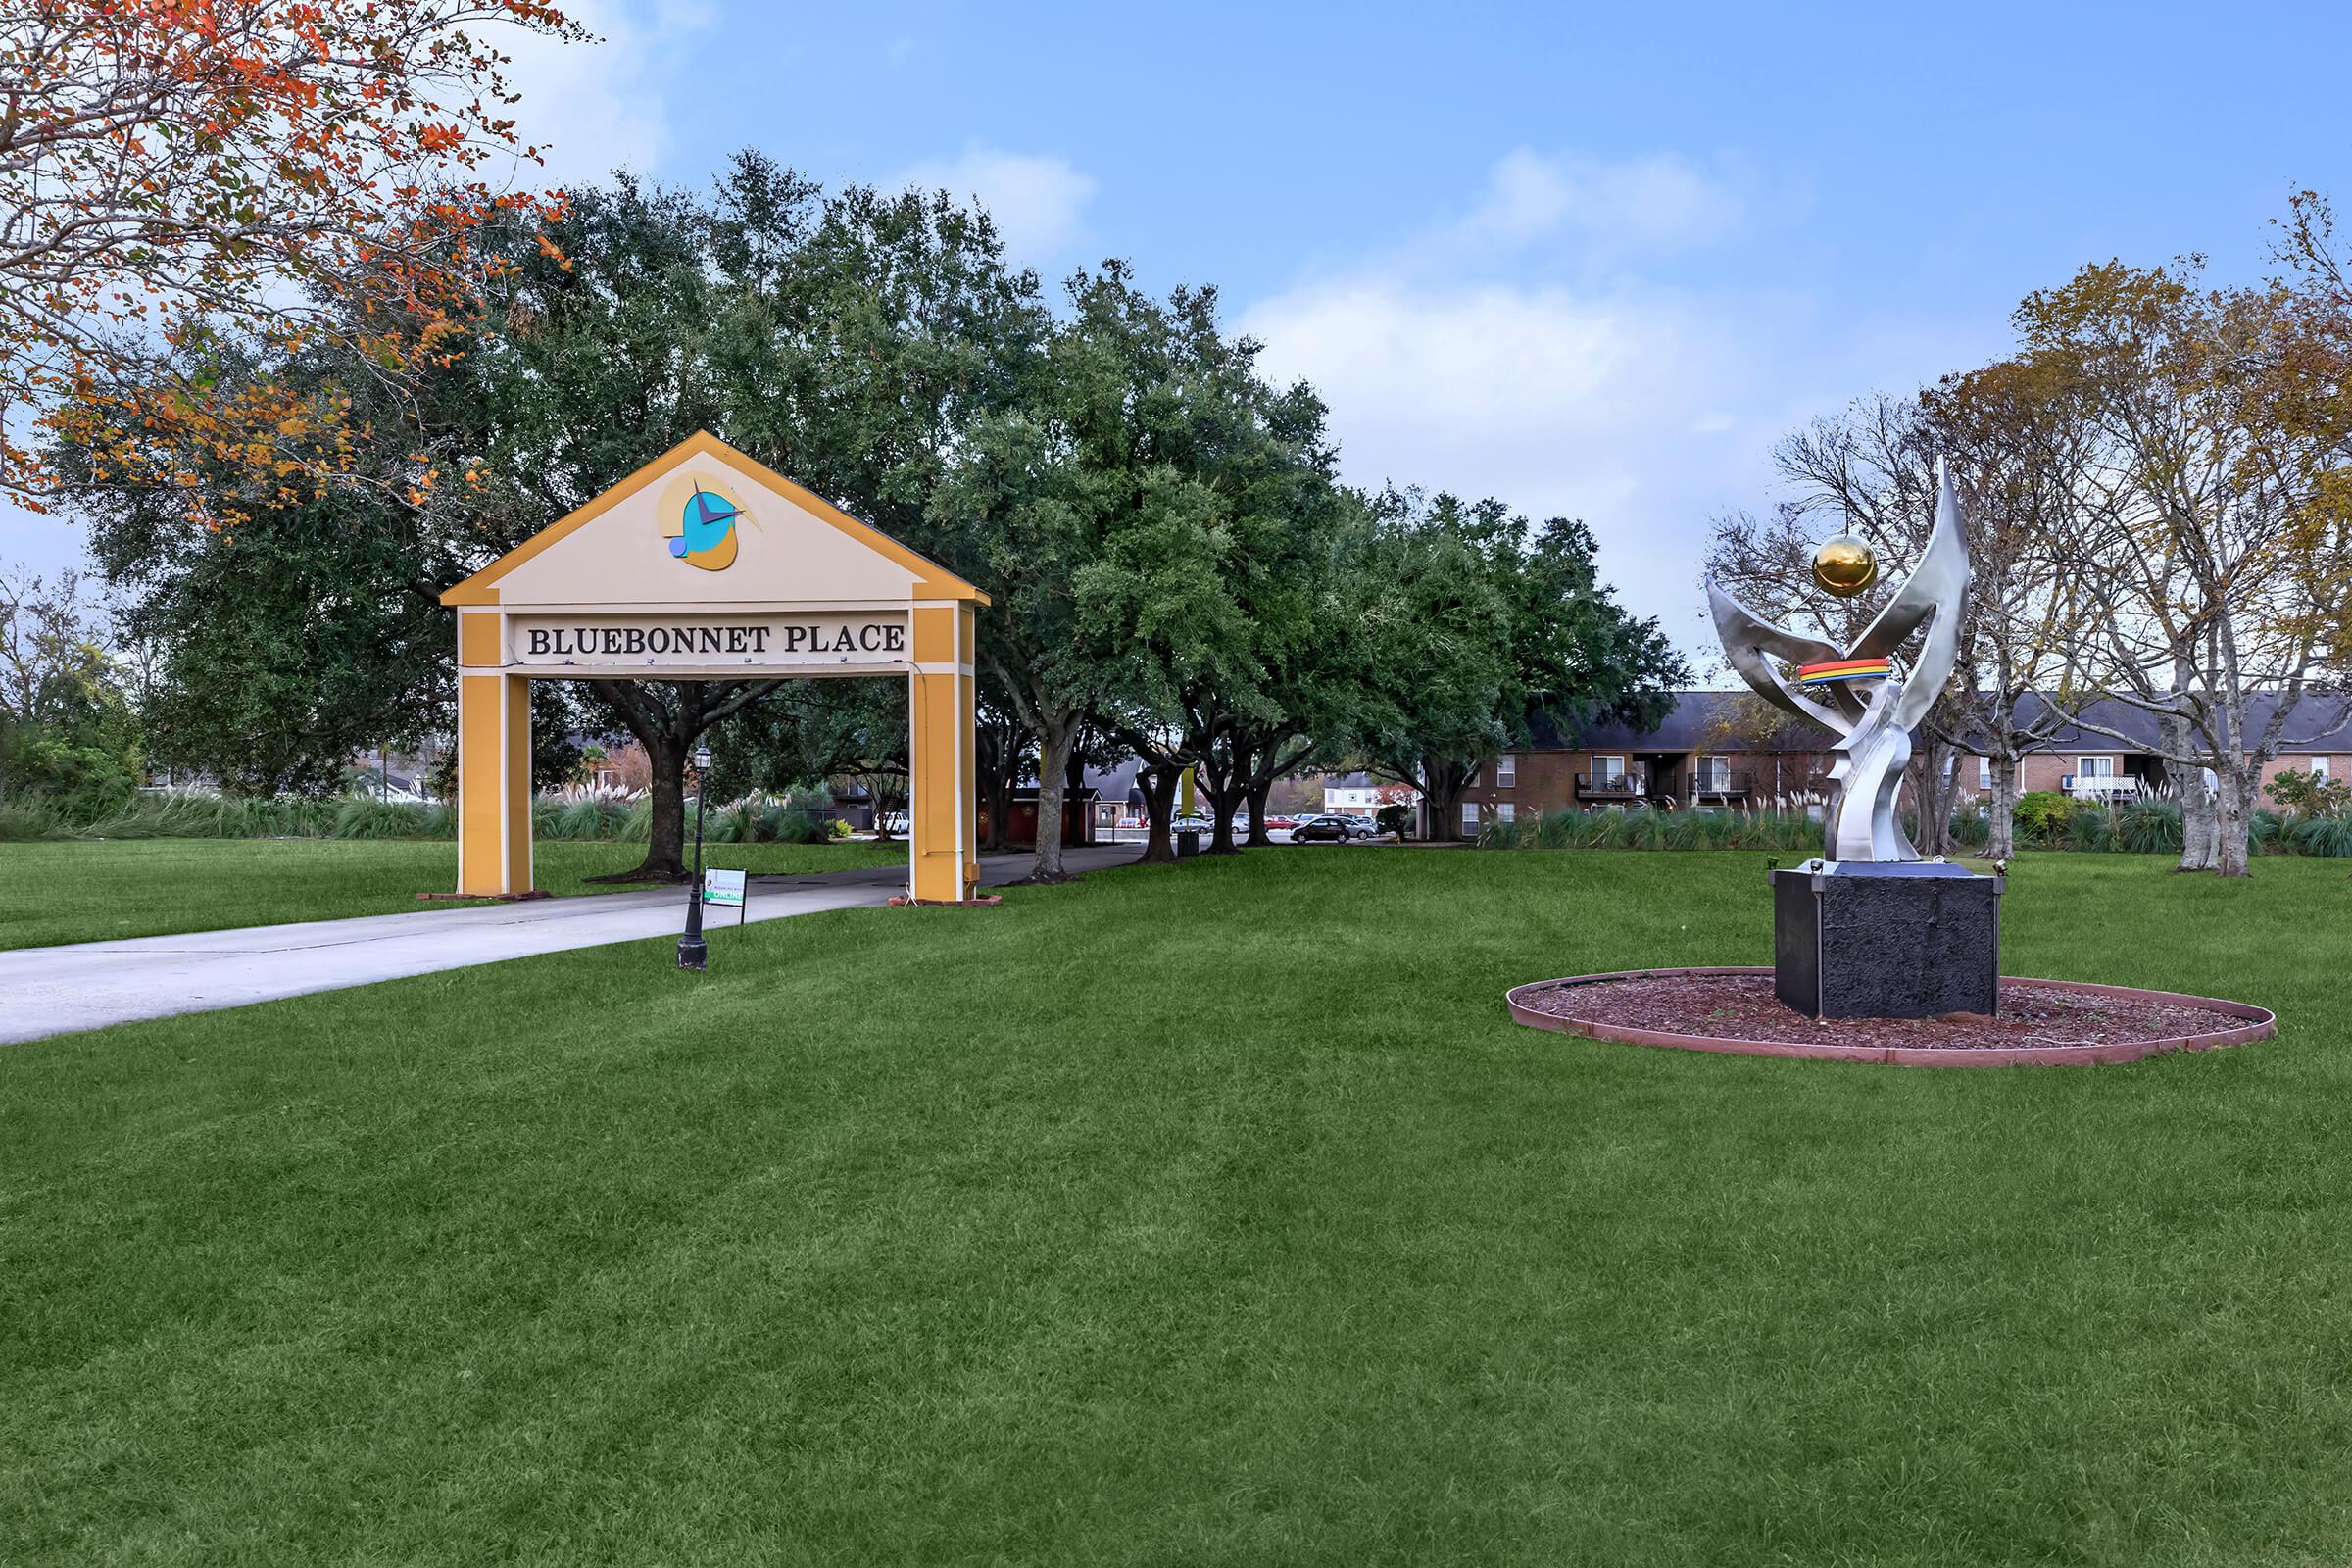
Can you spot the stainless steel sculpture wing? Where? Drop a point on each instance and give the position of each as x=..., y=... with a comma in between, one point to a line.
x=1872, y=709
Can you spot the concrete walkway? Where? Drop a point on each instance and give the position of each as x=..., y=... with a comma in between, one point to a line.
x=89, y=985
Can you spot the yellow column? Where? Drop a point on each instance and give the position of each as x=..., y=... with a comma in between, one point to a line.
x=941, y=693
x=494, y=763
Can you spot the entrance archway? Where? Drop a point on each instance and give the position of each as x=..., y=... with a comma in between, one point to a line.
x=703, y=565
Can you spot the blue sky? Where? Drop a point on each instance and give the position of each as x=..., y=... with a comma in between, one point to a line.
x=1590, y=260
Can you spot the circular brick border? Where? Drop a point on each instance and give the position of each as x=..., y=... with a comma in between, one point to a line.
x=2261, y=1024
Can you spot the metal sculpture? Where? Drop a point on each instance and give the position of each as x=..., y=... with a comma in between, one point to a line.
x=1859, y=693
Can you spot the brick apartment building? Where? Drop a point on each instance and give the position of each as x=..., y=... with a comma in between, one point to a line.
x=1730, y=750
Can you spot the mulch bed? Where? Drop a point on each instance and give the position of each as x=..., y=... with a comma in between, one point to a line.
x=1736, y=1010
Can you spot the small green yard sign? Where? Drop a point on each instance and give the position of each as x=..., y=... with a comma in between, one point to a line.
x=723, y=887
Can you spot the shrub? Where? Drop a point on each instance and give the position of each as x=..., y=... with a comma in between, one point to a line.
x=76, y=783
x=2043, y=816
x=2303, y=794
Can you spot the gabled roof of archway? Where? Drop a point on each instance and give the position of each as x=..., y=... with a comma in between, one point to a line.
x=926, y=578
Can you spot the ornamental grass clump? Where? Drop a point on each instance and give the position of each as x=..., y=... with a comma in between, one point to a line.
x=1641, y=829
x=589, y=819
x=2148, y=827
x=2322, y=835
x=2092, y=828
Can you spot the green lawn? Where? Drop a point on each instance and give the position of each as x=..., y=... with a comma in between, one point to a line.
x=1205, y=1214
x=83, y=892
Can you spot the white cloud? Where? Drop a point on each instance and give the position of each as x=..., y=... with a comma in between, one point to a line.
x=1533, y=350
x=598, y=106
x=1038, y=202
x=1658, y=202
x=1619, y=407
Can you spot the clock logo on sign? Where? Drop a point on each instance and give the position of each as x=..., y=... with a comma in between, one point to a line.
x=699, y=518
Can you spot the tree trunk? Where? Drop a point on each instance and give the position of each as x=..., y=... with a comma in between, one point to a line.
x=1158, y=784
x=2233, y=822
x=1260, y=838
x=2000, y=815
x=998, y=749
x=1441, y=798
x=993, y=798
x=665, y=788
x=666, y=834
x=1932, y=798
x=1222, y=805
x=1054, y=745
x=667, y=734
x=2200, y=831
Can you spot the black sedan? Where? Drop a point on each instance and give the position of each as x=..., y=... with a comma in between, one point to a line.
x=1335, y=829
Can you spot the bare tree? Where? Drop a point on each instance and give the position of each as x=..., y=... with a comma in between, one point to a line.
x=2017, y=445
x=1868, y=470
x=2208, y=523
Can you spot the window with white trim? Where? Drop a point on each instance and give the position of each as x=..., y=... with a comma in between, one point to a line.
x=2319, y=768
x=2095, y=767
x=1984, y=772
x=1506, y=772
x=1715, y=774
x=1506, y=811
x=1608, y=769
x=1469, y=817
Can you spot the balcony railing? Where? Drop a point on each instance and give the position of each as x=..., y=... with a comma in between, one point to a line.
x=2103, y=786
x=1718, y=786
x=1610, y=786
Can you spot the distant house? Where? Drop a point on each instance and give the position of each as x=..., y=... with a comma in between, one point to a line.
x=1732, y=749
x=1361, y=794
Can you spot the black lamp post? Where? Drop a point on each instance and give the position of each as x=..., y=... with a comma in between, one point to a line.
x=693, y=952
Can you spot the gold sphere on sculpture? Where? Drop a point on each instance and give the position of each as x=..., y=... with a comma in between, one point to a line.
x=1844, y=565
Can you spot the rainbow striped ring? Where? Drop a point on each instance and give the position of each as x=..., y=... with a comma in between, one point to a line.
x=1838, y=670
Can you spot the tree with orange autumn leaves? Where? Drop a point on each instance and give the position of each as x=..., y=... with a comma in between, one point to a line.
x=175, y=173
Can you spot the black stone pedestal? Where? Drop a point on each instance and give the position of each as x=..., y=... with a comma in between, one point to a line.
x=1907, y=940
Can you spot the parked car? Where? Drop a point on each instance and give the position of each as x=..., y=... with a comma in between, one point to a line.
x=1195, y=823
x=1331, y=828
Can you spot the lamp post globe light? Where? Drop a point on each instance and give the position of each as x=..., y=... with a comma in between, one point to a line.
x=693, y=952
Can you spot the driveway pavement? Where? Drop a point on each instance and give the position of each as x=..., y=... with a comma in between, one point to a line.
x=89, y=985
